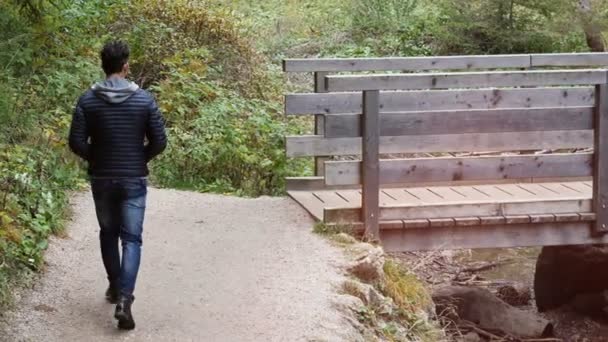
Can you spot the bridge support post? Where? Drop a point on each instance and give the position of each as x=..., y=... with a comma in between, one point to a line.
x=320, y=122
x=370, y=165
x=600, y=169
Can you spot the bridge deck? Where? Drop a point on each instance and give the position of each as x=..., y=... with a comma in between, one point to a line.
x=471, y=216
x=445, y=202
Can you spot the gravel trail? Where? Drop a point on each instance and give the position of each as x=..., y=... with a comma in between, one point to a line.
x=214, y=268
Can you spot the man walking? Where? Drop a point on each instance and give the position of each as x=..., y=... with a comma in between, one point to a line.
x=110, y=124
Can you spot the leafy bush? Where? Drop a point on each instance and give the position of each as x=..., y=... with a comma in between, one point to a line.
x=219, y=140
x=157, y=29
x=33, y=200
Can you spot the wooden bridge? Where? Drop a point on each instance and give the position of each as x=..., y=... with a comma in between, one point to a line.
x=434, y=155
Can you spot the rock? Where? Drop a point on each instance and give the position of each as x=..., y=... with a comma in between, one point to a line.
x=590, y=304
x=348, y=303
x=515, y=296
x=365, y=292
x=368, y=264
x=481, y=307
x=470, y=337
x=370, y=296
x=564, y=272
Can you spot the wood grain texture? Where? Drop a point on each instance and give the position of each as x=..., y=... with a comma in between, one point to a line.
x=571, y=59
x=424, y=100
x=444, y=62
x=307, y=146
x=464, y=169
x=463, y=209
x=320, y=122
x=370, y=170
x=600, y=186
x=337, y=83
x=497, y=236
x=406, y=63
x=466, y=121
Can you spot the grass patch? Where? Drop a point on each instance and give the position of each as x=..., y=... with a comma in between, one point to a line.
x=413, y=303
x=323, y=228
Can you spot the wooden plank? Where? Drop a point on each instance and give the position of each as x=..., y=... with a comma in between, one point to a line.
x=424, y=100
x=387, y=199
x=449, y=195
x=308, y=146
x=495, y=193
x=352, y=196
x=466, y=168
x=575, y=187
x=588, y=217
x=492, y=220
x=370, y=160
x=567, y=217
x=336, y=83
x=309, y=202
x=406, y=63
x=331, y=199
x=420, y=223
x=466, y=121
x=600, y=187
x=498, y=236
x=450, y=210
x=444, y=62
x=542, y=218
x=520, y=193
x=425, y=195
x=403, y=196
x=467, y=221
x=574, y=59
x=517, y=219
x=441, y=222
x=310, y=184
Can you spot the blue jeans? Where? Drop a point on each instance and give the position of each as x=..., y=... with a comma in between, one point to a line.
x=120, y=205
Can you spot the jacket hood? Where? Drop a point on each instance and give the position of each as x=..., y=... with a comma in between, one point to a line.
x=114, y=90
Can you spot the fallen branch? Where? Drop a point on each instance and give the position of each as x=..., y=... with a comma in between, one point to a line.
x=486, y=267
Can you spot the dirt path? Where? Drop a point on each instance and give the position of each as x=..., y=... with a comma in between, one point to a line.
x=214, y=268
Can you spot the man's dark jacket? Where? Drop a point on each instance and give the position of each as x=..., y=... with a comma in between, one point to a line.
x=108, y=129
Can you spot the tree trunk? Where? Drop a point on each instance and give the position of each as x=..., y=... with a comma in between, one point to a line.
x=593, y=33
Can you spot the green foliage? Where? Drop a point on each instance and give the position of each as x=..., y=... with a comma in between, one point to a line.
x=44, y=69
x=219, y=140
x=158, y=29
x=497, y=26
x=370, y=17
x=413, y=301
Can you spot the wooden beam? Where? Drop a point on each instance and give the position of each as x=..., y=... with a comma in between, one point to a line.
x=444, y=62
x=308, y=146
x=466, y=121
x=571, y=59
x=600, y=184
x=370, y=164
x=451, y=210
x=406, y=63
x=424, y=100
x=498, y=236
x=464, y=169
x=465, y=80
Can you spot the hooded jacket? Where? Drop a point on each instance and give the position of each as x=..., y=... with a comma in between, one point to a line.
x=109, y=126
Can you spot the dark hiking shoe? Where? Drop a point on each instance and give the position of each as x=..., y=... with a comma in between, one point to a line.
x=123, y=314
x=112, y=295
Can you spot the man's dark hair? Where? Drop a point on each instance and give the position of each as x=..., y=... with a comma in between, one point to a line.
x=114, y=56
